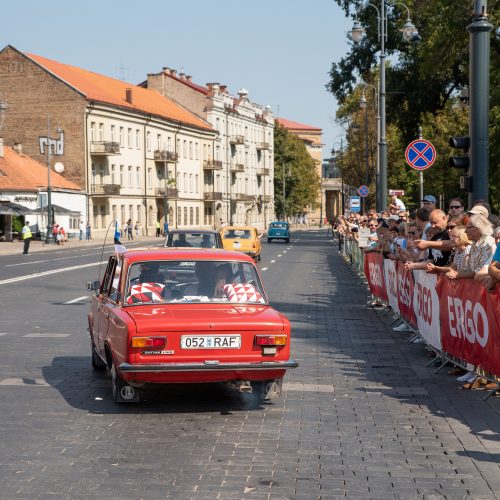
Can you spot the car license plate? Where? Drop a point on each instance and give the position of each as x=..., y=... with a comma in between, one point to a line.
x=210, y=342
x=236, y=244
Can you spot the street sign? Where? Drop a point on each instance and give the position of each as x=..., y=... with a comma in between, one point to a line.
x=398, y=192
x=355, y=204
x=420, y=154
x=363, y=191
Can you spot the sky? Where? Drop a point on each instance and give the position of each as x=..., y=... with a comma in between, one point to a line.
x=279, y=50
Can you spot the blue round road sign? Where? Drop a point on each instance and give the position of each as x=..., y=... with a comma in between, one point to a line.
x=363, y=191
x=420, y=154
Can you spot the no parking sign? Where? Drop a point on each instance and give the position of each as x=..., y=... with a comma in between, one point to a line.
x=420, y=154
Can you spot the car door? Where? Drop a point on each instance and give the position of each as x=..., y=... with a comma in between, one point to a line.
x=108, y=294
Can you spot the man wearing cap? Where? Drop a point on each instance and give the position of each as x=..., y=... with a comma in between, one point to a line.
x=429, y=202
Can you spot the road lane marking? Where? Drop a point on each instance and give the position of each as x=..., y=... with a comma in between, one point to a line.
x=280, y=255
x=284, y=251
x=264, y=269
x=53, y=260
x=273, y=261
x=47, y=335
x=2, y=334
x=46, y=273
x=20, y=381
x=77, y=300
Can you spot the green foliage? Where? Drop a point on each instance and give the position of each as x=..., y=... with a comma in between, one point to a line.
x=17, y=224
x=294, y=165
x=422, y=83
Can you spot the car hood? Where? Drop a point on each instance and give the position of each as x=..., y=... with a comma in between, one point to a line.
x=204, y=317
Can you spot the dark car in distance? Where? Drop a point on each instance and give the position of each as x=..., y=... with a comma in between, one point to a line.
x=193, y=238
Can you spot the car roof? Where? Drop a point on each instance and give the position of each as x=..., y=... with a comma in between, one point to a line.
x=279, y=222
x=181, y=253
x=192, y=231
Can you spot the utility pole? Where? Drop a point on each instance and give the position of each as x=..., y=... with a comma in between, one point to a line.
x=479, y=94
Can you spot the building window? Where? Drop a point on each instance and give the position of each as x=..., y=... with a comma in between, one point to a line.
x=184, y=149
x=112, y=133
x=191, y=216
x=148, y=141
x=169, y=143
x=184, y=183
x=196, y=188
x=197, y=216
x=113, y=174
x=92, y=131
x=114, y=213
x=129, y=138
x=101, y=132
x=158, y=141
x=131, y=212
x=123, y=214
x=130, y=177
x=137, y=138
x=185, y=216
x=150, y=180
x=196, y=152
x=190, y=150
x=179, y=216
x=138, y=176
x=139, y=211
x=191, y=190
x=121, y=137
x=121, y=176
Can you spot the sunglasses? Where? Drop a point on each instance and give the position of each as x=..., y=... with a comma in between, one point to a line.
x=411, y=233
x=455, y=206
x=372, y=225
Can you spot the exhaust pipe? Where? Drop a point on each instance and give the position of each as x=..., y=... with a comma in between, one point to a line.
x=242, y=385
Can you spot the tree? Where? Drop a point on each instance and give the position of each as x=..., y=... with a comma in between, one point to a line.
x=423, y=80
x=294, y=167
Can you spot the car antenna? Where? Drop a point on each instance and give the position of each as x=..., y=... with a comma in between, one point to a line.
x=116, y=240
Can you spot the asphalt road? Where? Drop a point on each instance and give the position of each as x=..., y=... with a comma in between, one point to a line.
x=362, y=416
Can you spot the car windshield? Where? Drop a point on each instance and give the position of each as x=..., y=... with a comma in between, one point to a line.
x=281, y=225
x=186, y=281
x=244, y=234
x=194, y=240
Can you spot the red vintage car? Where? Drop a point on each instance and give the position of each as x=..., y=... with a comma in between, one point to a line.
x=172, y=315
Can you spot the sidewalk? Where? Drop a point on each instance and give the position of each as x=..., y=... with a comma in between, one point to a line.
x=16, y=247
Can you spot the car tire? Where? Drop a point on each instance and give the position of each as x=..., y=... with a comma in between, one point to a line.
x=97, y=362
x=258, y=257
x=269, y=240
x=122, y=392
x=287, y=240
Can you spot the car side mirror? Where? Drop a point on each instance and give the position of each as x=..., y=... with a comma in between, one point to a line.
x=93, y=285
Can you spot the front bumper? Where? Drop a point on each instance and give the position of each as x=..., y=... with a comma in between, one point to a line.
x=207, y=367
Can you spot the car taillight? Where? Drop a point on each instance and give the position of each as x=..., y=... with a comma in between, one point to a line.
x=149, y=342
x=270, y=340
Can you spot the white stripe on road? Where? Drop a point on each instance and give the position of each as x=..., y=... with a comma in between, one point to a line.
x=2, y=334
x=27, y=263
x=264, y=269
x=273, y=261
x=280, y=255
x=77, y=300
x=46, y=273
x=38, y=382
x=46, y=335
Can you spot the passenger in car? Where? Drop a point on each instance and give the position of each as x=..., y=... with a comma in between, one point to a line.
x=205, y=273
x=223, y=276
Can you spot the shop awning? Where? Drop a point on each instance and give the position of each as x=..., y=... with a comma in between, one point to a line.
x=11, y=208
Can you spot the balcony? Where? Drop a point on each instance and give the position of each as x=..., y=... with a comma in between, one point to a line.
x=213, y=196
x=262, y=146
x=104, y=148
x=242, y=197
x=163, y=155
x=237, y=140
x=212, y=165
x=105, y=189
x=262, y=171
x=333, y=184
x=237, y=167
x=265, y=198
x=166, y=192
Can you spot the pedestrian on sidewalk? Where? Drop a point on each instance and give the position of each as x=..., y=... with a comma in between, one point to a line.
x=81, y=228
x=165, y=228
x=137, y=228
x=87, y=231
x=27, y=236
x=130, y=236
x=157, y=225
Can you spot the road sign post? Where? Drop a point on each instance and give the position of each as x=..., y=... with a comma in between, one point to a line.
x=355, y=204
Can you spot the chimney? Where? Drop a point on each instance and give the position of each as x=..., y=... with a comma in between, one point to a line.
x=128, y=95
x=182, y=75
x=173, y=72
x=213, y=86
x=223, y=88
x=166, y=70
x=189, y=78
x=18, y=148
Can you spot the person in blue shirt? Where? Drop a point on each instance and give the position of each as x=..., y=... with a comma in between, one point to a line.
x=165, y=228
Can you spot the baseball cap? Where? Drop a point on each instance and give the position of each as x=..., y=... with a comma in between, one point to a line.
x=394, y=217
x=430, y=198
x=479, y=210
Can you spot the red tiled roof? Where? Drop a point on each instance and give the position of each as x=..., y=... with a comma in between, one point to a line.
x=96, y=87
x=20, y=172
x=291, y=125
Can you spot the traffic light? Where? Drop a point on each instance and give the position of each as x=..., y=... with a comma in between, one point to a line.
x=462, y=162
x=463, y=143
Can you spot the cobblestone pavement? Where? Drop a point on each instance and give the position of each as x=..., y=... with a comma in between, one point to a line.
x=362, y=416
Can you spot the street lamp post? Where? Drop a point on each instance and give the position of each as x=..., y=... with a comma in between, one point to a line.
x=49, y=237
x=409, y=33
